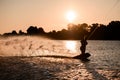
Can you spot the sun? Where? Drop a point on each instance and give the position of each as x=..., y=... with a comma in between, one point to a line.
x=70, y=16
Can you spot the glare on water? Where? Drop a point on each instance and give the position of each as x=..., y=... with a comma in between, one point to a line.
x=71, y=45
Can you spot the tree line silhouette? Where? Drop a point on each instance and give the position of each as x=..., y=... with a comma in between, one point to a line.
x=75, y=32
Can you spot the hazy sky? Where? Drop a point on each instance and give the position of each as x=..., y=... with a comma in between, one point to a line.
x=51, y=14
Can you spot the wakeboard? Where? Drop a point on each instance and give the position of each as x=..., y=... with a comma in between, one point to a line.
x=83, y=56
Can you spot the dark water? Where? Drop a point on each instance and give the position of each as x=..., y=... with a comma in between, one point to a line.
x=104, y=54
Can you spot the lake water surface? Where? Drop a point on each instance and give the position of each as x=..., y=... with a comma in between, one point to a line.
x=104, y=54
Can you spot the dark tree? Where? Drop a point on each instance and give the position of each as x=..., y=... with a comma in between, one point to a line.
x=32, y=30
x=95, y=31
x=35, y=31
x=41, y=30
x=21, y=32
x=113, y=30
x=14, y=32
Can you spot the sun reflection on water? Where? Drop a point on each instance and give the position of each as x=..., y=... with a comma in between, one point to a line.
x=71, y=46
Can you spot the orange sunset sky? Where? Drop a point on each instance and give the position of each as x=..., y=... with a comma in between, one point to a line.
x=55, y=14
